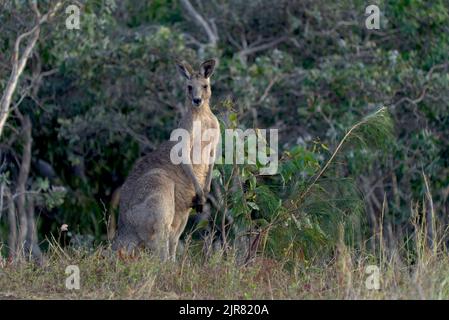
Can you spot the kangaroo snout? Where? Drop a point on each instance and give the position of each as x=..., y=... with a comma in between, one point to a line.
x=196, y=102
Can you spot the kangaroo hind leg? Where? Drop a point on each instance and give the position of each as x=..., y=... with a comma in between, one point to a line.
x=161, y=210
x=125, y=245
x=177, y=227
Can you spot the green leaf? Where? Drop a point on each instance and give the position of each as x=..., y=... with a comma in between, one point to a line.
x=253, y=205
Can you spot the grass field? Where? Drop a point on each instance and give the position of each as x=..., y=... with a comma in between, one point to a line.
x=346, y=275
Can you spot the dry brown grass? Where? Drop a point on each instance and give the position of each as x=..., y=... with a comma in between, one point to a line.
x=412, y=270
x=104, y=276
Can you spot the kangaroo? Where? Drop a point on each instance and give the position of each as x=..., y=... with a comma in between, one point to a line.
x=157, y=196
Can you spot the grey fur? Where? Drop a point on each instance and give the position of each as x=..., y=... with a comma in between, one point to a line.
x=157, y=196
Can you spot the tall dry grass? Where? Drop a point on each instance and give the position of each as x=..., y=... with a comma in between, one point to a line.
x=411, y=269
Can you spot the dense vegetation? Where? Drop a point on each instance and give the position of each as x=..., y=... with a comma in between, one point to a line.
x=363, y=120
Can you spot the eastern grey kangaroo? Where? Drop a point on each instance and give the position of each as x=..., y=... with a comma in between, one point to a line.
x=157, y=196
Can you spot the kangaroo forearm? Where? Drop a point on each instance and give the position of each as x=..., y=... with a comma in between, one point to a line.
x=188, y=169
x=209, y=177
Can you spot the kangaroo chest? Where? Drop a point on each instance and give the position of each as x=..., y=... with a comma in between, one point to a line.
x=204, y=140
x=204, y=135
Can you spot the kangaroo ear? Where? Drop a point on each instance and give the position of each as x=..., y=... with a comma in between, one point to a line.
x=207, y=68
x=184, y=69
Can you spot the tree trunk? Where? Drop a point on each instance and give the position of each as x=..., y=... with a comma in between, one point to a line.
x=17, y=69
x=32, y=245
x=21, y=183
x=12, y=237
x=19, y=61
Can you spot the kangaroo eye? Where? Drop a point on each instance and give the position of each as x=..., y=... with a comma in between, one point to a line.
x=190, y=88
x=205, y=86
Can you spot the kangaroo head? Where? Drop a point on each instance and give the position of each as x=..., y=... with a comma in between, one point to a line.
x=198, y=85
